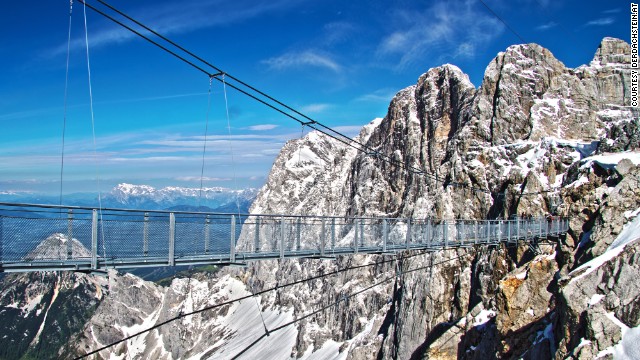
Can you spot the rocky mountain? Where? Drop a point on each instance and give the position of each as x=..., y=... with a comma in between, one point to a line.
x=40, y=312
x=147, y=197
x=535, y=138
x=131, y=196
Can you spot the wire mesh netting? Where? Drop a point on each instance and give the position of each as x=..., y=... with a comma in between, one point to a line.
x=89, y=237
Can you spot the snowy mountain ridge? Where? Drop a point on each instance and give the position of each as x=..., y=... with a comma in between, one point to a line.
x=124, y=192
x=148, y=197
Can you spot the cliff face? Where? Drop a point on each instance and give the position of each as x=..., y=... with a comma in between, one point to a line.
x=40, y=312
x=533, y=139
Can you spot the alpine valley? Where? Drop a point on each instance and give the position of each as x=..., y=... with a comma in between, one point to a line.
x=539, y=137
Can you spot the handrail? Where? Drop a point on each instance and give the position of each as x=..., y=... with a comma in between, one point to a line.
x=70, y=237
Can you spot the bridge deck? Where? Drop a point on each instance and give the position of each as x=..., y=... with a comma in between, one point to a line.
x=39, y=237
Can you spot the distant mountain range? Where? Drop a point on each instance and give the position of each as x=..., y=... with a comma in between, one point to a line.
x=130, y=196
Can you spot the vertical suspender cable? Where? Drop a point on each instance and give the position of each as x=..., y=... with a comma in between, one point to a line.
x=233, y=161
x=66, y=87
x=93, y=132
x=204, y=150
x=204, y=146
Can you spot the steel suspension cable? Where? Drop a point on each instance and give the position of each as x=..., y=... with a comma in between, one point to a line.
x=93, y=133
x=142, y=36
x=66, y=88
x=335, y=272
x=233, y=161
x=341, y=299
x=326, y=130
x=252, y=88
x=211, y=307
x=204, y=145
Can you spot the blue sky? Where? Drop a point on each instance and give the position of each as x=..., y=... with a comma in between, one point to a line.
x=340, y=62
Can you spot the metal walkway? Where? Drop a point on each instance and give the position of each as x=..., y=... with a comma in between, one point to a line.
x=40, y=237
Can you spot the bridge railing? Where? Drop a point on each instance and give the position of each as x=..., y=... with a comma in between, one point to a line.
x=38, y=237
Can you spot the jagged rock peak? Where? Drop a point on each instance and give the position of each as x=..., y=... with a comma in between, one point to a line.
x=612, y=51
x=56, y=247
x=449, y=69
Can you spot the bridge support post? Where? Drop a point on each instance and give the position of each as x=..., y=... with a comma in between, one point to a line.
x=70, y=234
x=487, y=231
x=476, y=233
x=172, y=239
x=425, y=233
x=145, y=235
x=362, y=232
x=232, y=239
x=333, y=234
x=256, y=241
x=207, y=223
x=408, y=239
x=385, y=235
x=429, y=232
x=298, y=229
x=517, y=228
x=509, y=229
x=94, y=239
x=322, y=237
x=281, y=237
x=540, y=225
x=445, y=233
x=355, y=236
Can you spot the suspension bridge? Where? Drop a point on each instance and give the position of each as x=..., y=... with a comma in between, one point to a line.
x=64, y=238
x=67, y=238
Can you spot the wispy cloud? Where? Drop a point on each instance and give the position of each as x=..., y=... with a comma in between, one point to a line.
x=337, y=32
x=600, y=22
x=306, y=58
x=458, y=27
x=262, y=127
x=612, y=11
x=59, y=109
x=315, y=108
x=151, y=98
x=384, y=95
x=179, y=17
x=204, y=178
x=547, y=26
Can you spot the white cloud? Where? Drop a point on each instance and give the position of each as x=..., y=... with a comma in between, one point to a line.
x=546, y=26
x=303, y=59
x=465, y=49
x=336, y=32
x=442, y=27
x=179, y=17
x=262, y=127
x=380, y=95
x=315, y=108
x=600, y=22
